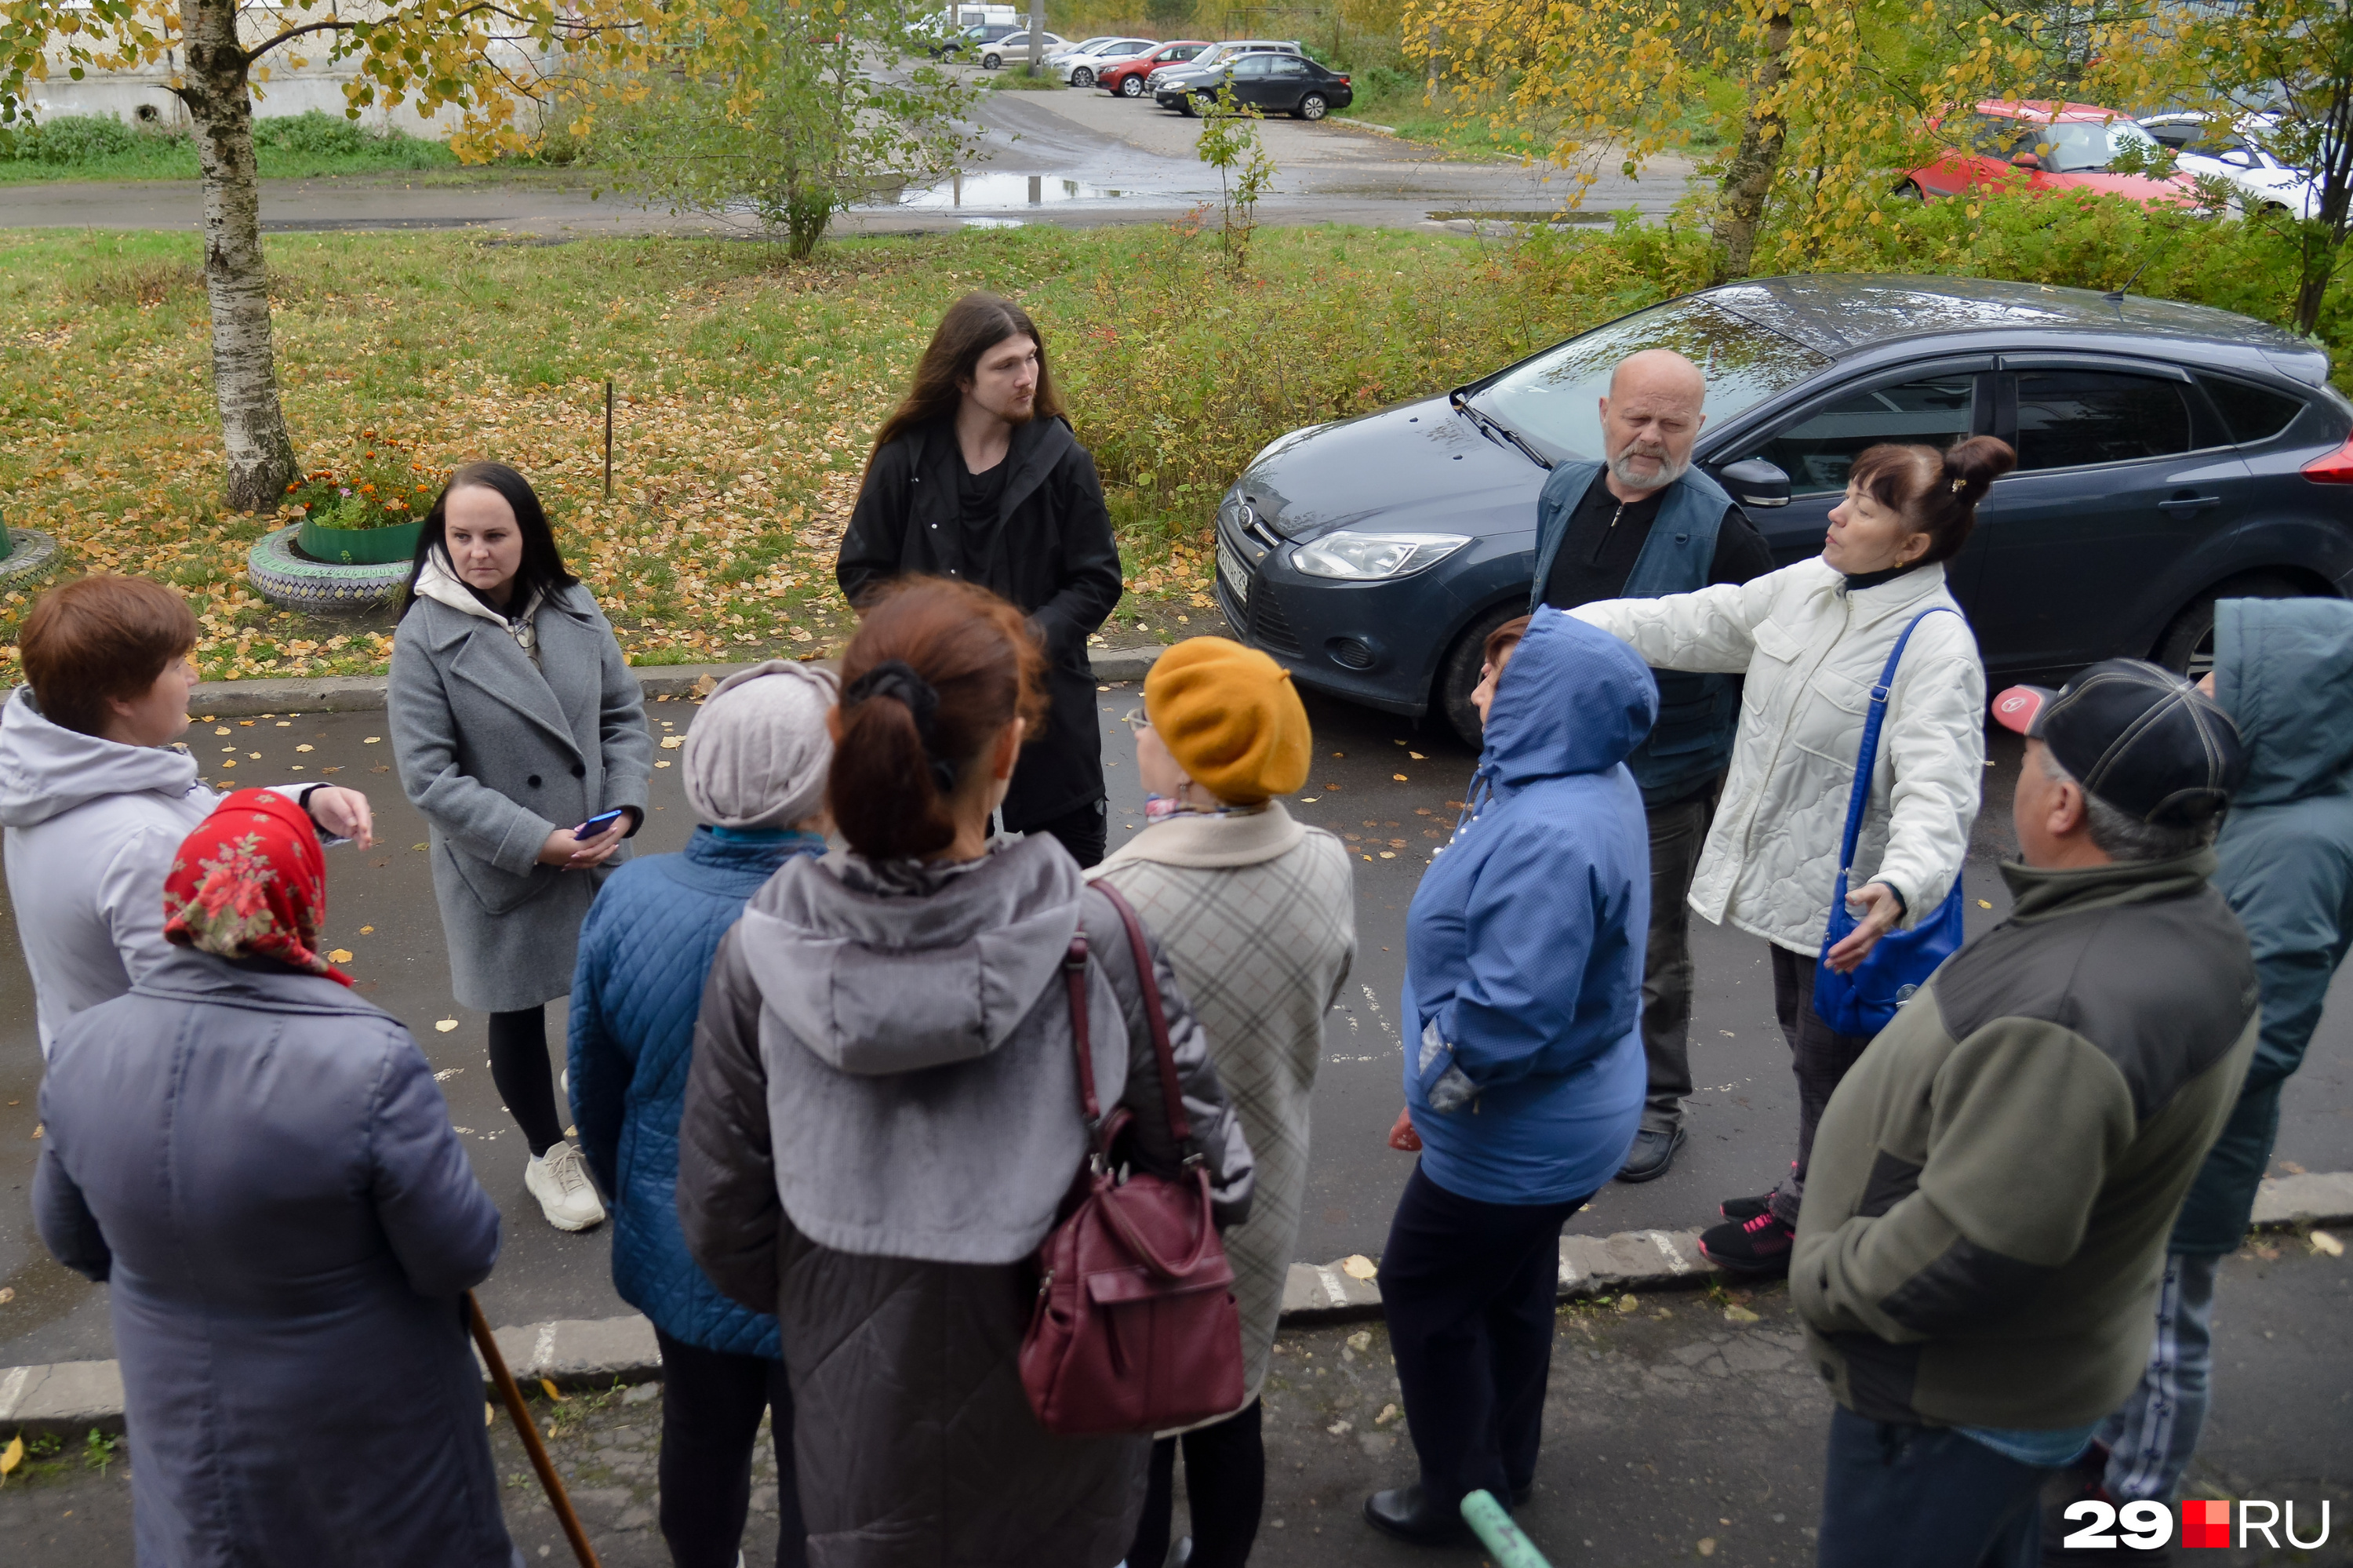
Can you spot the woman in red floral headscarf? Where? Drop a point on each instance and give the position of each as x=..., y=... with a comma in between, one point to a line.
x=261, y=1165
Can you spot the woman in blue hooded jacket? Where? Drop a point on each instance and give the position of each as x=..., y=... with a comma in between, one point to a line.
x=1523, y=1072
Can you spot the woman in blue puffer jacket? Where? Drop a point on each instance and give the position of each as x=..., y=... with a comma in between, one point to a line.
x=755, y=765
x=1524, y=1072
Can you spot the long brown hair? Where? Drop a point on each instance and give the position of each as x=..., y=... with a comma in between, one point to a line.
x=974, y=325
x=890, y=761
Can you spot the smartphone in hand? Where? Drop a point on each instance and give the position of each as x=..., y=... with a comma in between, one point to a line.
x=599, y=822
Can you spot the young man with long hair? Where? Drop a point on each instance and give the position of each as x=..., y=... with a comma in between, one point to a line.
x=976, y=477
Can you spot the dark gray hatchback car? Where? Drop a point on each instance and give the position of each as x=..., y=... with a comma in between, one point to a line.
x=2169, y=455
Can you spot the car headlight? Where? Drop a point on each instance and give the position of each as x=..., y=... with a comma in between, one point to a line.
x=1356, y=557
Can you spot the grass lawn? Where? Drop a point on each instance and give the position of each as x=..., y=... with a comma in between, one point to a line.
x=748, y=391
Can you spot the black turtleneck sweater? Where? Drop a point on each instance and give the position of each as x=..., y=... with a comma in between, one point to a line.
x=1605, y=536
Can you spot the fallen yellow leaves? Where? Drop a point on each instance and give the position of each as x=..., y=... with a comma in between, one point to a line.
x=1357, y=1266
x=12, y=1456
x=340, y=956
x=446, y=1024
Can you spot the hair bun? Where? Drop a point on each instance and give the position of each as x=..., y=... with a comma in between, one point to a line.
x=1972, y=465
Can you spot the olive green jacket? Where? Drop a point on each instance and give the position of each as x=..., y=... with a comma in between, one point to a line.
x=1991, y=1186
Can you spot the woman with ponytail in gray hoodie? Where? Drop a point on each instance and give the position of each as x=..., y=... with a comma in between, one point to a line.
x=884, y=1116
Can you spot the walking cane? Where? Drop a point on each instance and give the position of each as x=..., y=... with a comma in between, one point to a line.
x=549, y=1480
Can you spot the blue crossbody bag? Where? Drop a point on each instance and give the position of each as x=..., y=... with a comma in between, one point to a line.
x=1863, y=1002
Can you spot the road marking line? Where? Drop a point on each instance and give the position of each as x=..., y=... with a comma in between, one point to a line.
x=1336, y=1292
x=543, y=1349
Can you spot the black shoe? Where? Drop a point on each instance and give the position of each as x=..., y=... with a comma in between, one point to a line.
x=1405, y=1513
x=1652, y=1152
x=1743, y=1209
x=1520, y=1495
x=1759, y=1246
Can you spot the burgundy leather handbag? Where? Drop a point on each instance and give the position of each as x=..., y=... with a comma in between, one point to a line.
x=1135, y=1330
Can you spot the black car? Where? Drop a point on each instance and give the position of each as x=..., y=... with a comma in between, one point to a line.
x=1270, y=84
x=2169, y=455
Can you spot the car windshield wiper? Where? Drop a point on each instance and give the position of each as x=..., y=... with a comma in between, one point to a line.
x=1495, y=428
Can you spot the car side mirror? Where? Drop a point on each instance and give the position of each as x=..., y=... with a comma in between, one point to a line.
x=2025, y=161
x=1754, y=481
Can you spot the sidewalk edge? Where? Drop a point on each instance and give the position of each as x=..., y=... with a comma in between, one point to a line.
x=68, y=1397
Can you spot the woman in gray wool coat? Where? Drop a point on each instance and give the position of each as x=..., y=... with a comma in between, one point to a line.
x=515, y=721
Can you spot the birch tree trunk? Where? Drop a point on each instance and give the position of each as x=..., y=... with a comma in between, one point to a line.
x=1748, y=178
x=237, y=280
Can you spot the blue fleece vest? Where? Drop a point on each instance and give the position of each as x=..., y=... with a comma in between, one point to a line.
x=1692, y=742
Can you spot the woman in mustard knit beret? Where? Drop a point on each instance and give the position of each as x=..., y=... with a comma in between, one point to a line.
x=1256, y=912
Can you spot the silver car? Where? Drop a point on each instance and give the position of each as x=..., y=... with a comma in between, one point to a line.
x=1013, y=49
x=1078, y=66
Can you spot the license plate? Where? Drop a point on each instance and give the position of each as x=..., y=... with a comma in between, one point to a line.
x=1235, y=572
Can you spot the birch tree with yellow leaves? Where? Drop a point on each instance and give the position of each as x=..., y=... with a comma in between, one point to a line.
x=486, y=60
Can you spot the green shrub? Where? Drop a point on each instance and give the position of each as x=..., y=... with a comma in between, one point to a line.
x=318, y=134
x=81, y=139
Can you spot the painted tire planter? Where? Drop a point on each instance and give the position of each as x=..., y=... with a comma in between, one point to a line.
x=29, y=550
x=361, y=546
x=286, y=579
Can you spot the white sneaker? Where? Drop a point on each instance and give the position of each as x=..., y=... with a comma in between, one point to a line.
x=559, y=1180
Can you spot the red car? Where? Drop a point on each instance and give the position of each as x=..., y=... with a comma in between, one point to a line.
x=2063, y=146
x=1125, y=78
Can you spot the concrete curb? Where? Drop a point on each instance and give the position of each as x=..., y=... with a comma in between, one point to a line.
x=67, y=1397
x=365, y=693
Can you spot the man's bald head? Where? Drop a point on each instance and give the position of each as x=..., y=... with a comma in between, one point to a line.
x=1658, y=373
x=1651, y=420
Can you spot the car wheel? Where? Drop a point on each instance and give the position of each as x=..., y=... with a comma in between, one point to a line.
x=1910, y=191
x=2188, y=646
x=1131, y=86
x=1184, y=106
x=1082, y=77
x=1457, y=674
x=1312, y=107
x=990, y=62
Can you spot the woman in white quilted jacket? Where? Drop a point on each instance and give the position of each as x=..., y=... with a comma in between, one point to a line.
x=1812, y=640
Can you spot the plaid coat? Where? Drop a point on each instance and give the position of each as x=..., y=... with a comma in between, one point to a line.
x=1256, y=914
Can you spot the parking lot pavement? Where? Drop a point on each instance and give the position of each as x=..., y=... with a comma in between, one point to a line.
x=1387, y=786
x=1673, y=1433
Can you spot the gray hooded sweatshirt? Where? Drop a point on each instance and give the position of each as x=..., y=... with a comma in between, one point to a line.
x=92, y=825
x=882, y=1122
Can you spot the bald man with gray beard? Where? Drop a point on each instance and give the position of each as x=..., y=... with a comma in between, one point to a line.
x=1642, y=523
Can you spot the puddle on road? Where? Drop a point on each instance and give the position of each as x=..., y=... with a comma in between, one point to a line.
x=1498, y=215
x=996, y=191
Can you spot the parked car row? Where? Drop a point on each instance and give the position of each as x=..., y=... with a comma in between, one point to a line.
x=1276, y=81
x=1271, y=75
x=2083, y=146
x=2169, y=455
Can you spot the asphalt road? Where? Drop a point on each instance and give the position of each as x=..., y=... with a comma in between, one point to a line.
x=1064, y=157
x=1392, y=805
x=1672, y=1435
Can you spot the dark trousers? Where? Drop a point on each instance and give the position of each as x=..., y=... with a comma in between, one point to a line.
x=519, y=1068
x=1468, y=1291
x=1821, y=1057
x=1225, y=1489
x=1677, y=831
x=1925, y=1496
x=712, y=1404
x=1084, y=832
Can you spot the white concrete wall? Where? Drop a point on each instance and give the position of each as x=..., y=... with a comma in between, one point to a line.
x=141, y=96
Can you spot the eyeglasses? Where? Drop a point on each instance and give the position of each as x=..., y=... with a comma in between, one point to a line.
x=1136, y=720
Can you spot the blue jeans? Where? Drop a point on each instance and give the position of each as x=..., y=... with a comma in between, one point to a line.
x=2150, y=1439
x=1925, y=1496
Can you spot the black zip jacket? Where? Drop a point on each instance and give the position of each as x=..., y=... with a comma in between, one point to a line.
x=1050, y=553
